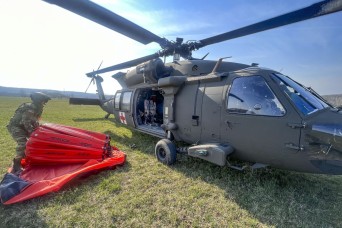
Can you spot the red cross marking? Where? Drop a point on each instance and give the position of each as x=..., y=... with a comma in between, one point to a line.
x=122, y=117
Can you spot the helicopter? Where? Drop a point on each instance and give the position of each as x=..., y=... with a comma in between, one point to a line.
x=217, y=110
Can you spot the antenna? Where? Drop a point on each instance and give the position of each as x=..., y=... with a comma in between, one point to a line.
x=219, y=63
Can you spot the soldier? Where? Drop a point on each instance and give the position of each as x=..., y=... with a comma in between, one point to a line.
x=24, y=121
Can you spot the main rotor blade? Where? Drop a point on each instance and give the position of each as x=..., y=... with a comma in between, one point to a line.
x=315, y=10
x=124, y=65
x=107, y=18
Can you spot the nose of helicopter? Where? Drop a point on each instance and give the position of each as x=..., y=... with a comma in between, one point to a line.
x=324, y=143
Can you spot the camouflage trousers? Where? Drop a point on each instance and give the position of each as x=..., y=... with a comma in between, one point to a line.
x=20, y=136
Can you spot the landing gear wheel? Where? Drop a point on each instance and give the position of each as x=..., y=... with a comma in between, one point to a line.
x=166, y=152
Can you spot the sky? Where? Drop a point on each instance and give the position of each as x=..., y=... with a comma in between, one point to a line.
x=46, y=47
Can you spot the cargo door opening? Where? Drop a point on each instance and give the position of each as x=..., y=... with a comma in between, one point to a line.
x=149, y=111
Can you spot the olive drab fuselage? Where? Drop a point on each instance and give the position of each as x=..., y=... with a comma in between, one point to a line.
x=245, y=107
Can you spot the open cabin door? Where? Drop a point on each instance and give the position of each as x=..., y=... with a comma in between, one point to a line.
x=147, y=110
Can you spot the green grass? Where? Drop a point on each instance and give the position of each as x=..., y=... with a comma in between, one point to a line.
x=145, y=193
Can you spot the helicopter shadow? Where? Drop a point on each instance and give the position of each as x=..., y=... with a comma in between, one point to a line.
x=274, y=197
x=137, y=140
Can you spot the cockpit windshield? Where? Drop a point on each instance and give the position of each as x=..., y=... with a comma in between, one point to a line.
x=306, y=101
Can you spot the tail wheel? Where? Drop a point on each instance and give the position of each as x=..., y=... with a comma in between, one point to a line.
x=166, y=152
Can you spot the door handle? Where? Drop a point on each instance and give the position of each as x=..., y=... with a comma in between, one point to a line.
x=231, y=124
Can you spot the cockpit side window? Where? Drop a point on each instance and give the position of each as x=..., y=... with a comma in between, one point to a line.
x=253, y=96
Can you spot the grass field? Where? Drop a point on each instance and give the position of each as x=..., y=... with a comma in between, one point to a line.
x=145, y=193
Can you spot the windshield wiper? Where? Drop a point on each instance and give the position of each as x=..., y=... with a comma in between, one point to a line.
x=233, y=95
x=313, y=92
x=337, y=108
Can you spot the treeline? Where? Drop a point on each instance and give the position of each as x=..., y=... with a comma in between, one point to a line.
x=335, y=100
x=25, y=92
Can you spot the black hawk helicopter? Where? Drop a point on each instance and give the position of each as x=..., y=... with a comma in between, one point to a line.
x=220, y=110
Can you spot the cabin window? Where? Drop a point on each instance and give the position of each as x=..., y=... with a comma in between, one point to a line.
x=253, y=96
x=126, y=101
x=117, y=101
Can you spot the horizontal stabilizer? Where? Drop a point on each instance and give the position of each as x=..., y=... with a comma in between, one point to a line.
x=84, y=101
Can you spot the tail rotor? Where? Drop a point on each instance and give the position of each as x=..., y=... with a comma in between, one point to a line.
x=93, y=77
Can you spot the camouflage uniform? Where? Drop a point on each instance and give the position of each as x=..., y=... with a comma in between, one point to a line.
x=24, y=121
